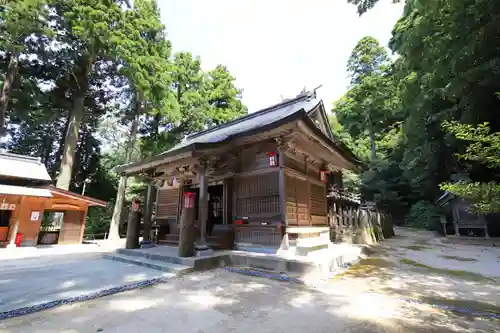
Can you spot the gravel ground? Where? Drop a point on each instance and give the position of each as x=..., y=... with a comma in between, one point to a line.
x=371, y=297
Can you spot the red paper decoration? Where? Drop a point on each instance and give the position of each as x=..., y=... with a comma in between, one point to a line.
x=322, y=175
x=189, y=199
x=273, y=159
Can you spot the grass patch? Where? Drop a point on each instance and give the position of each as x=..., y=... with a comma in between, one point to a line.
x=368, y=267
x=416, y=247
x=450, y=272
x=474, y=306
x=458, y=258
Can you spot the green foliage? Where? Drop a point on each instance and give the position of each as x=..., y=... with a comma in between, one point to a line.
x=446, y=71
x=117, y=59
x=365, y=5
x=423, y=214
x=484, y=148
x=368, y=57
x=98, y=220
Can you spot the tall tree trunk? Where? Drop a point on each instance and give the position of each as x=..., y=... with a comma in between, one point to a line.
x=120, y=195
x=81, y=78
x=47, y=146
x=7, y=86
x=57, y=161
x=373, y=147
x=70, y=142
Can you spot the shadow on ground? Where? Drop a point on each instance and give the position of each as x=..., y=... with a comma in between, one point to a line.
x=219, y=302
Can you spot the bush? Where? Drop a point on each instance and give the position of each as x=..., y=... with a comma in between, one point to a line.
x=423, y=215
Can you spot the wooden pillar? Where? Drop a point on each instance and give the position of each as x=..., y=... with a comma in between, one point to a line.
x=227, y=198
x=82, y=229
x=201, y=244
x=281, y=157
x=133, y=226
x=455, y=219
x=148, y=211
x=15, y=228
x=187, y=228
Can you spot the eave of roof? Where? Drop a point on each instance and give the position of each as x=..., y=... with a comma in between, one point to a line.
x=200, y=146
x=91, y=201
x=24, y=191
x=22, y=167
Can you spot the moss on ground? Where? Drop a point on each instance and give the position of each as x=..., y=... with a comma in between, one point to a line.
x=450, y=272
x=474, y=306
x=458, y=258
x=416, y=247
x=369, y=267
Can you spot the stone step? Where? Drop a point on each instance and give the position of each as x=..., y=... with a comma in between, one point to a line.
x=165, y=257
x=159, y=265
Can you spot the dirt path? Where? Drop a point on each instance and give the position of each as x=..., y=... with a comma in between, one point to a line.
x=370, y=297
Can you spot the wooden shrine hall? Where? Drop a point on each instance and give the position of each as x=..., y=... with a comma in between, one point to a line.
x=260, y=180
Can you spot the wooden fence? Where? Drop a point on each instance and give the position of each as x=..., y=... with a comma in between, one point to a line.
x=357, y=224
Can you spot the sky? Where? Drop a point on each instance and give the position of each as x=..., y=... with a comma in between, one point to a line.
x=275, y=48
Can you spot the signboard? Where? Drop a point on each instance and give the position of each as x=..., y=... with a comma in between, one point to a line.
x=35, y=216
x=7, y=206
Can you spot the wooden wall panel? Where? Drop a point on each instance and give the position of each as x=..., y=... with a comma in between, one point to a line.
x=72, y=227
x=257, y=197
x=167, y=205
x=318, y=200
x=251, y=161
x=313, y=172
x=295, y=164
x=291, y=200
x=302, y=202
x=319, y=220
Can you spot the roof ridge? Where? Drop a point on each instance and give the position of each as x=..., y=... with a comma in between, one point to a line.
x=301, y=96
x=20, y=157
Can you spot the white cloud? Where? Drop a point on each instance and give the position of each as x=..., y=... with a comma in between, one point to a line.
x=275, y=48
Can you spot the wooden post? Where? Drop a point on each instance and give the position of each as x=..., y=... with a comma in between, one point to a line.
x=148, y=211
x=13, y=233
x=227, y=198
x=455, y=221
x=133, y=226
x=308, y=189
x=201, y=244
x=187, y=230
x=281, y=157
x=82, y=228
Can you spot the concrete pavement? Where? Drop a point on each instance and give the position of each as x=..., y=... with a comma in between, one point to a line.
x=31, y=281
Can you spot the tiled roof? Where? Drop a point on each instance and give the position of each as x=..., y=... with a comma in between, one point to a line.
x=251, y=121
x=24, y=167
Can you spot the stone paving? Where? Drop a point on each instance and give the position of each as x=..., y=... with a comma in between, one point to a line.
x=31, y=281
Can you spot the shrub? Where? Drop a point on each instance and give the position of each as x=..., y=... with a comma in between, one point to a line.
x=423, y=215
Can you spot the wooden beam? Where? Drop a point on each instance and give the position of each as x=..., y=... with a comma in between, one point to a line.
x=309, y=204
x=148, y=211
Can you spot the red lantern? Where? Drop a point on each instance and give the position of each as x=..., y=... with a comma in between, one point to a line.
x=273, y=159
x=189, y=199
x=136, y=204
x=322, y=175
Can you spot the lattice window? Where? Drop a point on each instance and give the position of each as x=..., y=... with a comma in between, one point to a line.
x=167, y=205
x=257, y=194
x=318, y=200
